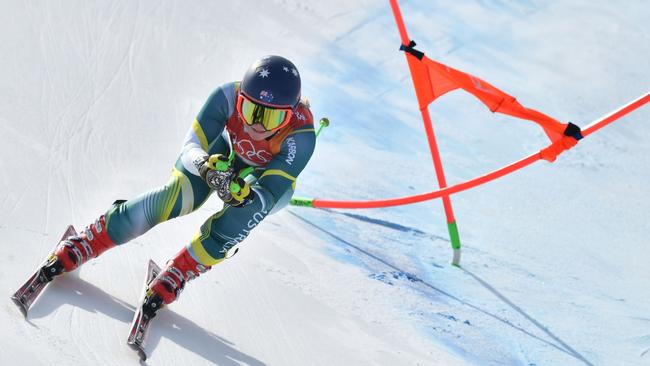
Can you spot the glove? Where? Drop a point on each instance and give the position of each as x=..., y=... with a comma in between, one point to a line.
x=221, y=177
x=215, y=170
x=239, y=192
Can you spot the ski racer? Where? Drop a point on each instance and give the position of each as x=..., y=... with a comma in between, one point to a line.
x=249, y=143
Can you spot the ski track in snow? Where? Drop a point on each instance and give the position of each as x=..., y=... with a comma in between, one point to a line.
x=398, y=273
x=97, y=97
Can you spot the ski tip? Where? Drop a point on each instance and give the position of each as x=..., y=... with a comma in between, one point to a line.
x=69, y=232
x=21, y=306
x=153, y=265
x=141, y=353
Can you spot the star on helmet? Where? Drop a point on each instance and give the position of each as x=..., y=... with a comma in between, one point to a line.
x=264, y=73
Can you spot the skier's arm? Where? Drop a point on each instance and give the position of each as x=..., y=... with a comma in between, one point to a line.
x=207, y=126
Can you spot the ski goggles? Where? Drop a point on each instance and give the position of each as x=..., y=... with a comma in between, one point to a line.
x=270, y=118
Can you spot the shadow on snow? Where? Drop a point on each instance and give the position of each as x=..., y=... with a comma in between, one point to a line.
x=180, y=330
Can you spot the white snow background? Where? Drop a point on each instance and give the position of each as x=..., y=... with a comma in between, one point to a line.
x=96, y=96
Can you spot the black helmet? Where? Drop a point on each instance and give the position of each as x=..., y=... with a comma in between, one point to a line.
x=272, y=81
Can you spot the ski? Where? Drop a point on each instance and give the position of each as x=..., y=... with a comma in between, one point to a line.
x=145, y=311
x=28, y=293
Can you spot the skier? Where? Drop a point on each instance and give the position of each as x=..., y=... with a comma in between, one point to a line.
x=259, y=126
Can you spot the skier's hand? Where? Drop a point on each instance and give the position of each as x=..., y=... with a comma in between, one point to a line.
x=215, y=171
x=219, y=175
x=239, y=192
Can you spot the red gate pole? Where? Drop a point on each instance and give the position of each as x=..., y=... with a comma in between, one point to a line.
x=433, y=147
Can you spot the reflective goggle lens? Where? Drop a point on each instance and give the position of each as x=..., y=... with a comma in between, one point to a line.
x=269, y=118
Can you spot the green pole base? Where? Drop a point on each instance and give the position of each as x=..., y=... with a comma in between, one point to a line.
x=455, y=242
x=302, y=202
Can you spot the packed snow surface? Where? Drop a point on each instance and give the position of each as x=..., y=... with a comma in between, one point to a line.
x=96, y=96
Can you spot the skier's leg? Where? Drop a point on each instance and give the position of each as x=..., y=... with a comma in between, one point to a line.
x=183, y=193
x=209, y=246
x=125, y=220
x=212, y=242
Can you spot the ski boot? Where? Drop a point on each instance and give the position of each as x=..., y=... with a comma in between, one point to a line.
x=72, y=251
x=168, y=284
x=76, y=250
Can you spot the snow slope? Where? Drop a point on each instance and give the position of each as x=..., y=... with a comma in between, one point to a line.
x=96, y=97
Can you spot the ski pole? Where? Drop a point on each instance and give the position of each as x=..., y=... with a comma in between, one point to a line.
x=324, y=122
x=308, y=202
